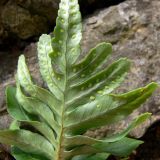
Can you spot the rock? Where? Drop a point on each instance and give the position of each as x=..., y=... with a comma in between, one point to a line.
x=133, y=29
x=21, y=22
x=45, y=8
x=24, y=19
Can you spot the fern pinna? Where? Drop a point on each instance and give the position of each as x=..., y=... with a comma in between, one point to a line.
x=49, y=124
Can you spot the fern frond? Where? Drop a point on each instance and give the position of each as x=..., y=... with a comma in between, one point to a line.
x=50, y=123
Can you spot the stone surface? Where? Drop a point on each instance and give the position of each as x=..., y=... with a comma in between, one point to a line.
x=134, y=30
x=24, y=19
x=20, y=22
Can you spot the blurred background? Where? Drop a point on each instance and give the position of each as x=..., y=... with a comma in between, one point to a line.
x=132, y=26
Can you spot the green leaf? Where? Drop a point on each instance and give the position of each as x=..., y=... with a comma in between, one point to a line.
x=121, y=148
x=44, y=129
x=67, y=34
x=33, y=106
x=72, y=141
x=25, y=80
x=101, y=83
x=49, y=75
x=14, y=125
x=28, y=142
x=107, y=109
x=20, y=155
x=98, y=156
x=14, y=109
x=87, y=65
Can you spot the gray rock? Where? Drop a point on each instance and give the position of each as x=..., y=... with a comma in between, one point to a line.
x=29, y=18
x=133, y=29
